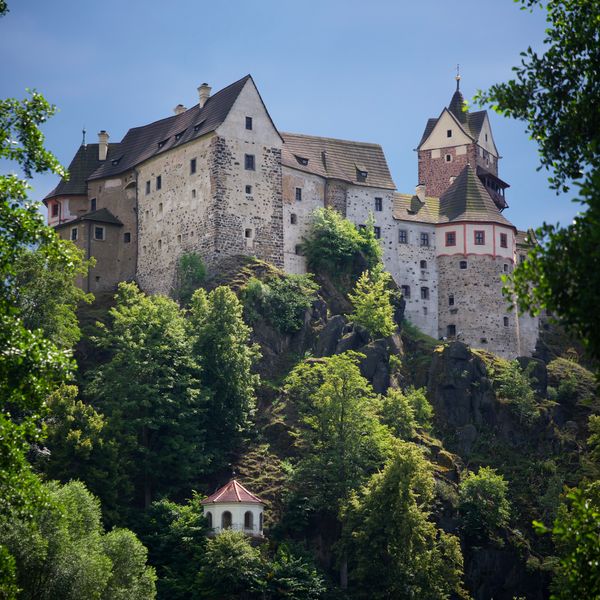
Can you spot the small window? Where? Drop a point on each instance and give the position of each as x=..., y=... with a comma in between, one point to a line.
x=505, y=268
x=160, y=207
x=159, y=182
x=378, y=204
x=450, y=238
x=159, y=244
x=298, y=249
x=147, y=187
x=403, y=236
x=301, y=160
x=424, y=293
x=451, y=331
x=198, y=126
x=298, y=194
x=361, y=175
x=127, y=237
x=97, y=278
x=479, y=238
x=293, y=218
x=423, y=264
x=248, y=189
x=503, y=240
x=522, y=259
x=463, y=264
x=249, y=162
x=449, y=133
x=486, y=137
x=249, y=123
x=55, y=210
x=448, y=157
x=377, y=232
x=248, y=233
x=424, y=239
x=451, y=300
x=193, y=193
x=192, y=166
x=179, y=238
x=505, y=321
x=425, y=311
x=98, y=233
x=248, y=520
x=74, y=234
x=405, y=289
x=93, y=204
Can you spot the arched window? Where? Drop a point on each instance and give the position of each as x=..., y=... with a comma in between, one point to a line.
x=209, y=519
x=248, y=520
x=260, y=522
x=226, y=520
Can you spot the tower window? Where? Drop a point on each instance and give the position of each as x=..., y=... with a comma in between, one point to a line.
x=450, y=238
x=424, y=239
x=505, y=321
x=248, y=233
x=298, y=194
x=192, y=166
x=479, y=238
x=248, y=189
x=147, y=187
x=249, y=123
x=93, y=204
x=377, y=232
x=159, y=244
x=451, y=300
x=158, y=182
x=193, y=193
x=160, y=207
x=55, y=210
x=449, y=133
x=463, y=264
x=249, y=162
x=405, y=290
x=98, y=233
x=403, y=236
x=423, y=264
x=74, y=234
x=451, y=331
x=378, y=204
x=127, y=237
x=448, y=157
x=503, y=240
x=425, y=311
x=293, y=218
x=424, y=293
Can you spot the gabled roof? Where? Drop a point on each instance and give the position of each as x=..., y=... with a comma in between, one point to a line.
x=84, y=163
x=467, y=200
x=233, y=491
x=142, y=143
x=337, y=159
x=102, y=215
x=408, y=207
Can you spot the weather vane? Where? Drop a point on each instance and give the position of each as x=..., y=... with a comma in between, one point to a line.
x=457, y=77
x=83, y=140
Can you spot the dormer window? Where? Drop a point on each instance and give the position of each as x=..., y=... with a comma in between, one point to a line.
x=161, y=144
x=449, y=133
x=179, y=135
x=361, y=174
x=301, y=160
x=198, y=126
x=116, y=161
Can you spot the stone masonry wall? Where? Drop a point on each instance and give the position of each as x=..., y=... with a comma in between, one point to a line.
x=435, y=172
x=335, y=195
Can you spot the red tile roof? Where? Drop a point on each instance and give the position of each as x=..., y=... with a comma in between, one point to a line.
x=233, y=491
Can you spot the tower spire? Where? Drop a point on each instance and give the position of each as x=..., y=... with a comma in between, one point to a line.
x=83, y=131
x=457, y=77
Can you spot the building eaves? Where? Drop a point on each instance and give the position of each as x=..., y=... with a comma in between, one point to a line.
x=102, y=215
x=233, y=491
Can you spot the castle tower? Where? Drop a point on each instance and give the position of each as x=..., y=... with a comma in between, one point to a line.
x=455, y=139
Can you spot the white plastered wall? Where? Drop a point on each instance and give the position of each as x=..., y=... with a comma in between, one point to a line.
x=237, y=510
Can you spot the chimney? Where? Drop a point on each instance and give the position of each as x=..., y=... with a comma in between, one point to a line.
x=420, y=192
x=102, y=145
x=204, y=93
x=180, y=108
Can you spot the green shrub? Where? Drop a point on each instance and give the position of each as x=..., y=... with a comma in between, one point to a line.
x=422, y=408
x=371, y=301
x=512, y=384
x=336, y=247
x=191, y=274
x=398, y=414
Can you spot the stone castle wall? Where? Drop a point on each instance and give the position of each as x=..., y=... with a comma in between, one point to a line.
x=435, y=172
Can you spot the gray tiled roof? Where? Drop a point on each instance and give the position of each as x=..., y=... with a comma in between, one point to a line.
x=142, y=143
x=526, y=238
x=337, y=159
x=84, y=163
x=408, y=207
x=467, y=200
x=102, y=215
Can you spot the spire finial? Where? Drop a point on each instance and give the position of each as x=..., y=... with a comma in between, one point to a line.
x=457, y=77
x=83, y=131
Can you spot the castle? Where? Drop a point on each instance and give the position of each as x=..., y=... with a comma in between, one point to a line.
x=220, y=179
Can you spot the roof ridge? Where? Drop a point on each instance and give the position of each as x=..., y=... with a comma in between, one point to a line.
x=330, y=139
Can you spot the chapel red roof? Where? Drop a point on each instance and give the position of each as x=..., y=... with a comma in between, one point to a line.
x=233, y=491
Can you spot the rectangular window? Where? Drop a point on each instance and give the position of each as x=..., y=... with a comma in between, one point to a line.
x=98, y=233
x=463, y=264
x=449, y=133
x=450, y=238
x=249, y=162
x=147, y=187
x=158, y=182
x=249, y=123
x=92, y=204
x=403, y=236
x=451, y=330
x=424, y=293
x=293, y=219
x=503, y=240
x=248, y=233
x=505, y=321
x=192, y=166
x=298, y=194
x=479, y=238
x=451, y=300
x=378, y=204
x=377, y=232
x=248, y=189
x=424, y=239
x=74, y=234
x=55, y=210
x=127, y=237
x=405, y=290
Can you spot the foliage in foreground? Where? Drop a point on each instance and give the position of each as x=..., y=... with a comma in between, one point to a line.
x=191, y=274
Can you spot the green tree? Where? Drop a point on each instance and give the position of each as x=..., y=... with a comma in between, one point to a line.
x=372, y=305
x=398, y=414
x=232, y=569
x=512, y=384
x=556, y=94
x=46, y=293
x=149, y=391
x=395, y=550
x=222, y=346
x=291, y=577
x=191, y=274
x=575, y=532
x=483, y=504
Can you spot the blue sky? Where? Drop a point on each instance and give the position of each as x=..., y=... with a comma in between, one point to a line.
x=371, y=71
